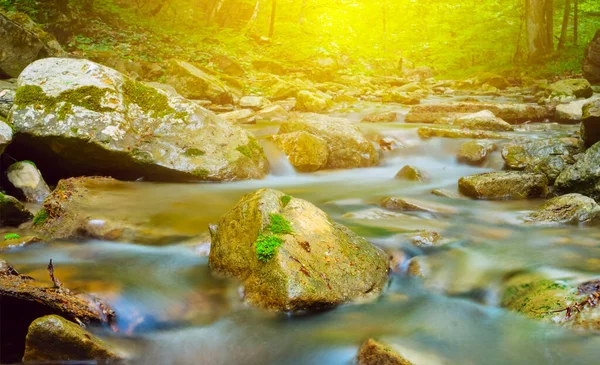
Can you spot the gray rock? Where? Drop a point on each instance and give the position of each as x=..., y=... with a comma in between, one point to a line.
x=25, y=176
x=475, y=152
x=504, y=185
x=590, y=126
x=569, y=89
x=572, y=112
x=6, y=136
x=512, y=113
x=568, y=209
x=95, y=120
x=591, y=62
x=583, y=177
x=193, y=83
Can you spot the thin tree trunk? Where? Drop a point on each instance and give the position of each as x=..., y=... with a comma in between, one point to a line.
x=539, y=28
x=575, y=22
x=518, y=50
x=549, y=8
x=272, y=25
x=565, y=25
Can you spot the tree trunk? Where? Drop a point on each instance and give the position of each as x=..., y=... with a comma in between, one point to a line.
x=539, y=28
x=301, y=18
x=575, y=21
x=158, y=8
x=384, y=23
x=565, y=25
x=272, y=25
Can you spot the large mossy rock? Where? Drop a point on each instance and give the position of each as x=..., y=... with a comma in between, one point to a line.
x=348, y=147
x=291, y=256
x=474, y=152
x=82, y=118
x=591, y=62
x=193, y=83
x=22, y=42
x=547, y=156
x=511, y=113
x=484, y=120
x=569, y=89
x=504, y=185
x=12, y=211
x=583, y=177
x=590, y=126
x=53, y=338
x=568, y=209
x=312, y=102
x=305, y=151
x=373, y=352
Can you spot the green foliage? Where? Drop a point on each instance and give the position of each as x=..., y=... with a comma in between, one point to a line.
x=266, y=247
x=40, y=217
x=11, y=236
x=285, y=200
x=279, y=225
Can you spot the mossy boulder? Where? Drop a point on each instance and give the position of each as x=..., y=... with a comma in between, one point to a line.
x=568, y=209
x=492, y=80
x=7, y=97
x=591, y=61
x=547, y=156
x=291, y=256
x=77, y=209
x=383, y=117
x=22, y=42
x=539, y=297
x=504, y=185
x=26, y=177
x=484, y=120
x=568, y=89
x=373, y=352
x=12, y=211
x=442, y=132
x=572, y=113
x=305, y=151
x=474, y=152
x=193, y=83
x=582, y=177
x=400, y=97
x=82, y=118
x=590, y=125
x=511, y=113
x=307, y=101
x=348, y=147
x=407, y=204
x=53, y=338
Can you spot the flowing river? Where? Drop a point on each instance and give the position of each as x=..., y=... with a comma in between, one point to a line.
x=172, y=311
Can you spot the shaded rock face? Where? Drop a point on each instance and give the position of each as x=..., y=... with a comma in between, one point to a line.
x=12, y=211
x=376, y=353
x=7, y=97
x=22, y=42
x=94, y=120
x=348, y=147
x=28, y=179
x=568, y=209
x=24, y=299
x=504, y=185
x=511, y=113
x=305, y=151
x=582, y=177
x=68, y=213
x=572, y=112
x=591, y=62
x=53, y=338
x=6, y=136
x=291, y=256
x=546, y=299
x=549, y=156
x=193, y=83
x=590, y=126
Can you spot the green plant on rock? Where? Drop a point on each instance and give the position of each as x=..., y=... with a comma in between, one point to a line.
x=40, y=217
x=279, y=225
x=11, y=236
x=266, y=247
x=285, y=200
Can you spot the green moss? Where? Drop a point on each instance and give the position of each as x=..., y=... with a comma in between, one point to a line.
x=11, y=236
x=285, y=200
x=30, y=162
x=40, y=217
x=88, y=97
x=279, y=225
x=245, y=150
x=194, y=152
x=266, y=247
x=2, y=198
x=253, y=150
x=149, y=99
x=65, y=111
x=201, y=172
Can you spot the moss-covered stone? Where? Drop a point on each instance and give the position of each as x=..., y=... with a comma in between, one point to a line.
x=318, y=263
x=575, y=88
x=582, y=177
x=474, y=152
x=12, y=211
x=53, y=338
x=305, y=151
x=374, y=352
x=511, y=113
x=193, y=83
x=429, y=132
x=504, y=185
x=568, y=209
x=147, y=98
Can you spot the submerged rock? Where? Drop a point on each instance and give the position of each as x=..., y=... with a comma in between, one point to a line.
x=24, y=299
x=591, y=61
x=484, y=120
x=547, y=156
x=572, y=112
x=504, y=185
x=305, y=151
x=193, y=83
x=17, y=241
x=12, y=211
x=69, y=213
x=385, y=117
x=429, y=132
x=590, y=126
x=474, y=152
x=23, y=42
x=291, y=256
x=512, y=113
x=411, y=173
x=311, y=102
x=95, y=120
x=348, y=147
x=568, y=209
x=582, y=177
x=53, y=338
x=406, y=204
x=373, y=352
x=25, y=176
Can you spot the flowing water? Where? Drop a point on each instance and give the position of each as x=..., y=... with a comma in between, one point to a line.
x=172, y=311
